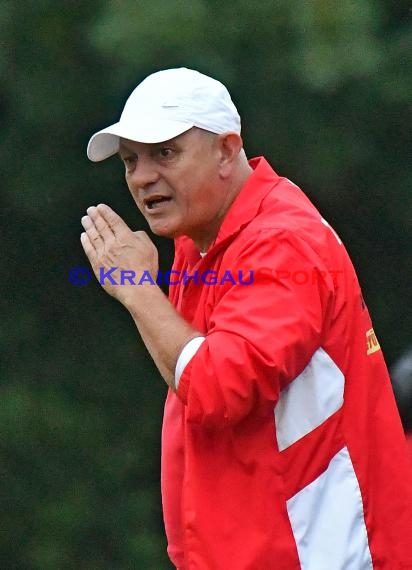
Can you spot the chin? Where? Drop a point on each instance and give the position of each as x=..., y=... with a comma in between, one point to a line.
x=164, y=231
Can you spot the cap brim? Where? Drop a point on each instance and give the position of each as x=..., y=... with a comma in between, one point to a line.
x=105, y=143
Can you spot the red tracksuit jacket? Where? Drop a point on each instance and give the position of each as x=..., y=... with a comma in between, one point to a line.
x=282, y=447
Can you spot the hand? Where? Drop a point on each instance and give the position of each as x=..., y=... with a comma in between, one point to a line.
x=109, y=242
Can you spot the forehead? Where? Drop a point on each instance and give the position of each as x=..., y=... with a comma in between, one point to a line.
x=193, y=136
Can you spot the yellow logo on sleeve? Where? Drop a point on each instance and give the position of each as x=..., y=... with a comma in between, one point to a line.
x=372, y=344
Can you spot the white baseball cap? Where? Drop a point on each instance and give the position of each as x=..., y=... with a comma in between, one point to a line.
x=165, y=105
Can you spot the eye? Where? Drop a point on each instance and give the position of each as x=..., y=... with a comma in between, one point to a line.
x=129, y=161
x=165, y=151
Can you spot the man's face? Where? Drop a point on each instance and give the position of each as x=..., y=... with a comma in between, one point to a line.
x=176, y=184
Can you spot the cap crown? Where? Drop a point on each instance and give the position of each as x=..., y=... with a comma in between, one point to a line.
x=186, y=96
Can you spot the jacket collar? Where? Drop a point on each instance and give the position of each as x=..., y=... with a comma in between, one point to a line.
x=247, y=203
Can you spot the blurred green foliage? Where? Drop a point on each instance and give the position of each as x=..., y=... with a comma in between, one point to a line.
x=324, y=88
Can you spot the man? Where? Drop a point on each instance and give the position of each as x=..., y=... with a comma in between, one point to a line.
x=282, y=447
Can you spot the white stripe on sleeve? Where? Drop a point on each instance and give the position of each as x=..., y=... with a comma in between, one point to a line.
x=188, y=352
x=309, y=400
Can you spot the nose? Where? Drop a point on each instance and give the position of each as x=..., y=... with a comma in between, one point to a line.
x=143, y=175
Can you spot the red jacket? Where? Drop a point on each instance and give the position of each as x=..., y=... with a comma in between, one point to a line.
x=282, y=447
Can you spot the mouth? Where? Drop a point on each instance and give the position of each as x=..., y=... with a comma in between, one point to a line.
x=155, y=202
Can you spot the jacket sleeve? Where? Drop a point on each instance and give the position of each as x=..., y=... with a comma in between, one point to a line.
x=260, y=336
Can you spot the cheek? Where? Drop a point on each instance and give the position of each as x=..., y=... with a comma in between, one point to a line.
x=135, y=199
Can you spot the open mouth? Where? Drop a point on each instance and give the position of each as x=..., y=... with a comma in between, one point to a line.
x=155, y=201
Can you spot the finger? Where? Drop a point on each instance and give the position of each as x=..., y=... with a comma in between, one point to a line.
x=88, y=247
x=146, y=242
x=113, y=220
x=100, y=223
x=92, y=232
x=142, y=235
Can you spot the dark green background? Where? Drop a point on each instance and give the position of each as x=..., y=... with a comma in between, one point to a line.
x=324, y=89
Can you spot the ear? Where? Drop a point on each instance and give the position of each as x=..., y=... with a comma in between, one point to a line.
x=230, y=144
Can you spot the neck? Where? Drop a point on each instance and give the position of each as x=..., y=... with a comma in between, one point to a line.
x=203, y=242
